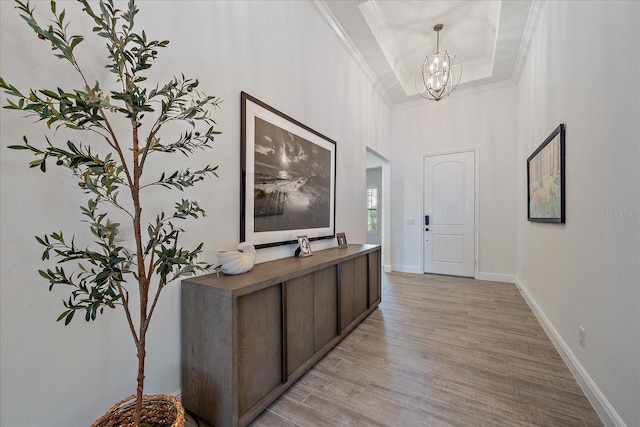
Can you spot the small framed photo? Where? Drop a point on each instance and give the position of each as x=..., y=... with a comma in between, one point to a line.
x=305, y=248
x=342, y=240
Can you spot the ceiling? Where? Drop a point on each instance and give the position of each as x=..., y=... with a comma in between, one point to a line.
x=391, y=38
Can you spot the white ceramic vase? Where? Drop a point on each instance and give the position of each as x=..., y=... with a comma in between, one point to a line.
x=238, y=262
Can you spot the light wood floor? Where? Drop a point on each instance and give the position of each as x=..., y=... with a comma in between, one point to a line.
x=439, y=351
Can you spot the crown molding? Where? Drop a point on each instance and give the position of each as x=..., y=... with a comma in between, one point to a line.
x=355, y=54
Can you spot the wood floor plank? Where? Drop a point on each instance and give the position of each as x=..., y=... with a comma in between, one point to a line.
x=440, y=351
x=299, y=413
x=340, y=410
x=270, y=419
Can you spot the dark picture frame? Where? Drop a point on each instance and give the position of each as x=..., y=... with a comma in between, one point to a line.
x=546, y=179
x=288, y=182
x=304, y=248
x=342, y=240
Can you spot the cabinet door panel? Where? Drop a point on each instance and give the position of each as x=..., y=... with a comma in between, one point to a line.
x=259, y=345
x=361, y=287
x=325, y=306
x=300, y=333
x=374, y=277
x=207, y=377
x=347, y=293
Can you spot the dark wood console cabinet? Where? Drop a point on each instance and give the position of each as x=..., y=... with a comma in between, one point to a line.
x=247, y=338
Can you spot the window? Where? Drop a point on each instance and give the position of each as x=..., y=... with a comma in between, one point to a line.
x=372, y=209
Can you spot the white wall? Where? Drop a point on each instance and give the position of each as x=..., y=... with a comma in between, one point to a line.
x=484, y=120
x=583, y=69
x=281, y=52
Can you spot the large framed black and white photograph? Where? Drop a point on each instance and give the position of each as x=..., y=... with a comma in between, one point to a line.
x=288, y=178
x=546, y=180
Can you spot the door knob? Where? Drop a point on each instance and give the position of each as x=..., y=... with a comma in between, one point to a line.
x=426, y=229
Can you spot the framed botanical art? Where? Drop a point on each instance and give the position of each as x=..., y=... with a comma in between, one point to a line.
x=288, y=183
x=546, y=180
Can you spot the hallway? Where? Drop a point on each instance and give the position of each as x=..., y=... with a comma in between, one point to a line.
x=440, y=351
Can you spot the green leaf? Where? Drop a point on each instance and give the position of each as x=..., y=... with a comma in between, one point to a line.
x=50, y=94
x=63, y=315
x=35, y=163
x=69, y=317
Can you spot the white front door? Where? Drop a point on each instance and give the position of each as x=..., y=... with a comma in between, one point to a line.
x=449, y=203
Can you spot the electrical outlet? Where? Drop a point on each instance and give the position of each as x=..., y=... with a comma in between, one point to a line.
x=581, y=336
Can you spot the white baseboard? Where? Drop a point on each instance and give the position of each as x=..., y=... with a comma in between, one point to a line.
x=497, y=277
x=494, y=277
x=603, y=408
x=407, y=269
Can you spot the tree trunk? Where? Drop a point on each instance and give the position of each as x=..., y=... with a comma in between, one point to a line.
x=142, y=353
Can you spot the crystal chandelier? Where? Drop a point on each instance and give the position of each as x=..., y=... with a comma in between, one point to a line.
x=435, y=79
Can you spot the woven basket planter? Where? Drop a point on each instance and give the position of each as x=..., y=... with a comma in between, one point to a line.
x=157, y=410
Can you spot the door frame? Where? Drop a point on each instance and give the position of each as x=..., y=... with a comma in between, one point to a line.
x=476, y=168
x=385, y=191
